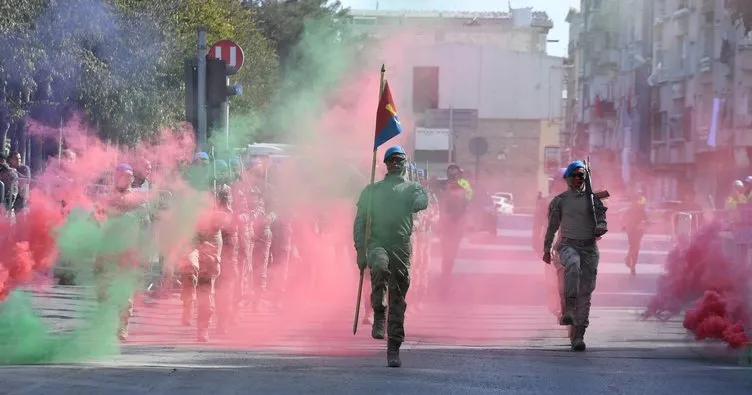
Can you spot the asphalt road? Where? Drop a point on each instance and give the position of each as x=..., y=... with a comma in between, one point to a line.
x=461, y=345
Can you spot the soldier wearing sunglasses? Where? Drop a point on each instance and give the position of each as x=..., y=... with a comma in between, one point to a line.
x=571, y=214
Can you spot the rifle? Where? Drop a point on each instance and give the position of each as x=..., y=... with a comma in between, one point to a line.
x=603, y=194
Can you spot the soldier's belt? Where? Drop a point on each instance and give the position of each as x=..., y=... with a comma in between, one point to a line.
x=578, y=243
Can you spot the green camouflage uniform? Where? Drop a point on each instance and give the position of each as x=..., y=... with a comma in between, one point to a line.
x=394, y=201
x=570, y=213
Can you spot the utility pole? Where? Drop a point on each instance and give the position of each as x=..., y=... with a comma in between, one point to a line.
x=224, y=117
x=201, y=100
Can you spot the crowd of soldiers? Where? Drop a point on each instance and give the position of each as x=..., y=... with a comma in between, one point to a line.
x=240, y=252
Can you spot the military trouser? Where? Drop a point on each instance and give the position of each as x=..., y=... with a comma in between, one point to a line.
x=245, y=268
x=634, y=238
x=106, y=279
x=580, y=265
x=262, y=243
x=198, y=283
x=280, y=251
x=451, y=237
x=227, y=284
x=421, y=264
x=390, y=274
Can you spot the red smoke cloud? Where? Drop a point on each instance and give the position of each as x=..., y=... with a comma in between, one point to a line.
x=700, y=267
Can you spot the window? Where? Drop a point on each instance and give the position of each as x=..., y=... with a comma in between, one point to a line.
x=660, y=8
x=681, y=53
x=425, y=89
x=708, y=41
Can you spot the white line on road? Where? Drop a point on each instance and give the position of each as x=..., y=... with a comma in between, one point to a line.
x=471, y=266
x=465, y=245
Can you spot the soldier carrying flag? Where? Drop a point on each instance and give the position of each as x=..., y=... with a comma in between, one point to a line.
x=382, y=232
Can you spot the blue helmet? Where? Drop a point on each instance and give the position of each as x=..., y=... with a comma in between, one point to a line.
x=396, y=150
x=572, y=167
x=221, y=165
x=124, y=167
x=201, y=156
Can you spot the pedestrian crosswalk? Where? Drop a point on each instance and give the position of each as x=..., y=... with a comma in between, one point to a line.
x=487, y=265
x=310, y=327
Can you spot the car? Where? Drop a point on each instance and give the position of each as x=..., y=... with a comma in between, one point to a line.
x=503, y=207
x=504, y=202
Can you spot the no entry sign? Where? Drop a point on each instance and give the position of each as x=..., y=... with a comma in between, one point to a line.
x=229, y=52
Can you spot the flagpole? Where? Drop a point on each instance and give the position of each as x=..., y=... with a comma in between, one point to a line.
x=382, y=81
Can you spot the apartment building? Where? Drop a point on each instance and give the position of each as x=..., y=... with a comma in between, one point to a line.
x=701, y=80
x=594, y=120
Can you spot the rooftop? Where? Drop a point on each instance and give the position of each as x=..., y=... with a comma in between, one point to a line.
x=540, y=18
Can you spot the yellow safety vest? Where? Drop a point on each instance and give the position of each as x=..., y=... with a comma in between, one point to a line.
x=733, y=202
x=466, y=186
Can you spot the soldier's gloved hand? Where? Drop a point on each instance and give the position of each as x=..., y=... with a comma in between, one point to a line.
x=547, y=257
x=362, y=261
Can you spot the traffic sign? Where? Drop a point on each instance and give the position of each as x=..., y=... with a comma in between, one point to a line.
x=229, y=52
x=478, y=146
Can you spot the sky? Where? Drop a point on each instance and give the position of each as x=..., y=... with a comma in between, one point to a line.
x=556, y=9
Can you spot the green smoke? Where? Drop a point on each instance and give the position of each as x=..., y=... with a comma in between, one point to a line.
x=324, y=58
x=84, y=243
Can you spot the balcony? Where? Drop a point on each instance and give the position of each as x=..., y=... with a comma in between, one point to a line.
x=745, y=58
x=672, y=153
x=609, y=58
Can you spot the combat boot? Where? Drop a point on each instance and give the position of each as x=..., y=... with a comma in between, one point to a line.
x=567, y=318
x=123, y=333
x=578, y=338
x=203, y=335
x=378, y=329
x=392, y=354
x=186, y=318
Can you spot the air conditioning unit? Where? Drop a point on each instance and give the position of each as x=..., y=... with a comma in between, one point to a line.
x=706, y=64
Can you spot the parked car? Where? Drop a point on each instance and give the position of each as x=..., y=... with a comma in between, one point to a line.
x=483, y=213
x=503, y=207
x=504, y=202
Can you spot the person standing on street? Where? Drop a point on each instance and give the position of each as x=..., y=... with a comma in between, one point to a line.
x=636, y=220
x=453, y=202
x=571, y=213
x=392, y=203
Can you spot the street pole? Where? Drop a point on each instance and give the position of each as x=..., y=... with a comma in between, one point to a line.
x=224, y=117
x=451, y=135
x=201, y=100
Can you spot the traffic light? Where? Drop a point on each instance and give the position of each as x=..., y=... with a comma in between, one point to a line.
x=190, y=70
x=218, y=90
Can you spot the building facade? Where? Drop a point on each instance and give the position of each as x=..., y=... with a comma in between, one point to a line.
x=468, y=76
x=664, y=95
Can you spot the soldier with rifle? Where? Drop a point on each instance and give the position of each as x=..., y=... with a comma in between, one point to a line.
x=580, y=217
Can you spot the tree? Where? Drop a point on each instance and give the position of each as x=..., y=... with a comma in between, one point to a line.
x=119, y=60
x=229, y=19
x=284, y=22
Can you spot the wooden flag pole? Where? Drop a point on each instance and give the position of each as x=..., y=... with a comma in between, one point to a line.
x=368, y=214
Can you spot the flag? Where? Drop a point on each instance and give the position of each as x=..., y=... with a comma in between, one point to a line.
x=387, y=120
